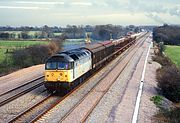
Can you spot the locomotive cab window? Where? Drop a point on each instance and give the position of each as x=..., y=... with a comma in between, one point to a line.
x=64, y=65
x=51, y=65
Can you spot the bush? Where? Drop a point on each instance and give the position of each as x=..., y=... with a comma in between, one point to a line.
x=33, y=55
x=168, y=78
x=168, y=112
x=168, y=34
x=164, y=61
x=157, y=100
x=172, y=116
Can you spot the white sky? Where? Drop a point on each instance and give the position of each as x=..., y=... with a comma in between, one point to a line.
x=82, y=12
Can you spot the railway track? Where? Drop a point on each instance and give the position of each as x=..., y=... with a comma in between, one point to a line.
x=48, y=112
x=96, y=93
x=37, y=111
x=21, y=90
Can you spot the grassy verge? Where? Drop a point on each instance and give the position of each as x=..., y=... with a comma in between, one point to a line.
x=173, y=52
x=168, y=78
x=25, y=43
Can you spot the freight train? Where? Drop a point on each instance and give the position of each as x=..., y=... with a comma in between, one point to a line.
x=67, y=69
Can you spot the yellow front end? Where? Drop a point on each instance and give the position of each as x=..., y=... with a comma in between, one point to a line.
x=58, y=76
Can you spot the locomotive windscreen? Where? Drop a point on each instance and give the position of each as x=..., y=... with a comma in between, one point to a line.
x=58, y=65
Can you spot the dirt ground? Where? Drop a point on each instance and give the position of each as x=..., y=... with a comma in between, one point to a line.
x=118, y=105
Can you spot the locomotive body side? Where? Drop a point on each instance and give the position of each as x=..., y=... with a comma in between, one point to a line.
x=83, y=65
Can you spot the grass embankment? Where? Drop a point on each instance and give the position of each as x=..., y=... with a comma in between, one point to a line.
x=18, y=44
x=6, y=49
x=12, y=45
x=168, y=78
x=173, y=52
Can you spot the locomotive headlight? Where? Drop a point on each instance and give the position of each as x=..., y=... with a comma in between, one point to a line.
x=47, y=74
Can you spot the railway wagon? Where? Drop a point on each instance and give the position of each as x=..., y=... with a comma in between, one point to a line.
x=66, y=70
x=101, y=52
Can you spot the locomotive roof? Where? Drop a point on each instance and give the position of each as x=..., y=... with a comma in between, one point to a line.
x=76, y=54
x=98, y=46
x=106, y=43
x=94, y=47
x=61, y=57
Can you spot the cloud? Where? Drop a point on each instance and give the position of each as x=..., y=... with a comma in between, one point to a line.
x=89, y=11
x=54, y=3
x=142, y=6
x=81, y=3
x=21, y=7
x=39, y=3
x=175, y=11
x=156, y=18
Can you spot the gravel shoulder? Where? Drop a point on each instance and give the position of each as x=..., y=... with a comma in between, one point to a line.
x=117, y=105
x=14, y=80
x=19, y=77
x=147, y=107
x=119, y=102
x=12, y=109
x=57, y=113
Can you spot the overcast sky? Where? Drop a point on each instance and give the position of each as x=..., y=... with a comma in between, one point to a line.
x=63, y=12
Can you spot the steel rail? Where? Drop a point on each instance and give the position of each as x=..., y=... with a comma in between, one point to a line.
x=19, y=116
x=19, y=91
x=45, y=112
x=104, y=92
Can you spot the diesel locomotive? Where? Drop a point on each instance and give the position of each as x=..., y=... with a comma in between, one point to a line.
x=67, y=69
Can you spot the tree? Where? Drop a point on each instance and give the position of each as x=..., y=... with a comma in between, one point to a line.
x=47, y=32
x=25, y=35
x=168, y=34
x=103, y=32
x=4, y=35
x=74, y=31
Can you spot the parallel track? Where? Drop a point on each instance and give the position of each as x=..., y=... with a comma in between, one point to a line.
x=53, y=106
x=21, y=90
x=103, y=92
x=36, y=111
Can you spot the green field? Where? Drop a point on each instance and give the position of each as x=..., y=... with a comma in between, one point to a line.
x=10, y=45
x=57, y=33
x=25, y=43
x=173, y=52
x=2, y=54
